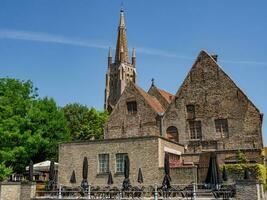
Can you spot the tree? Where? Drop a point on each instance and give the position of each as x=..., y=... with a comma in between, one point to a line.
x=30, y=127
x=84, y=123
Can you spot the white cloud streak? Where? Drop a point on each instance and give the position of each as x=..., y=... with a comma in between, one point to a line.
x=59, y=39
x=49, y=38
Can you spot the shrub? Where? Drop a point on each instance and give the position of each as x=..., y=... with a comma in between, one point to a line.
x=236, y=171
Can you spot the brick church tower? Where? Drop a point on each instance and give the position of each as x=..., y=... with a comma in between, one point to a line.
x=121, y=71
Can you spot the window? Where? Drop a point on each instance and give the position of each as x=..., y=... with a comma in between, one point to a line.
x=190, y=109
x=132, y=107
x=174, y=160
x=120, y=157
x=103, y=163
x=221, y=126
x=195, y=129
x=172, y=133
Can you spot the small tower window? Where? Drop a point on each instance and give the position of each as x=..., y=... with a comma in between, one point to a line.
x=132, y=107
x=190, y=109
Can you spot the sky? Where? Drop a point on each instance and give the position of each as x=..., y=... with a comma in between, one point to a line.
x=62, y=45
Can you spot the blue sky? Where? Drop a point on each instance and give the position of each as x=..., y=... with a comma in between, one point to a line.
x=62, y=45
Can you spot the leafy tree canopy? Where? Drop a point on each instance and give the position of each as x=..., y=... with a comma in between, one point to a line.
x=84, y=123
x=30, y=127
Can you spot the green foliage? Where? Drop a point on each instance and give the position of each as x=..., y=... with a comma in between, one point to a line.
x=236, y=171
x=30, y=127
x=4, y=172
x=84, y=123
x=241, y=157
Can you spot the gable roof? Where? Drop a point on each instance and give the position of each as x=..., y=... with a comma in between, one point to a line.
x=152, y=101
x=201, y=54
x=166, y=95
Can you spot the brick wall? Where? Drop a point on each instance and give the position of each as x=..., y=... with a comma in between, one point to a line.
x=249, y=190
x=143, y=153
x=10, y=191
x=122, y=124
x=214, y=96
x=181, y=175
x=17, y=191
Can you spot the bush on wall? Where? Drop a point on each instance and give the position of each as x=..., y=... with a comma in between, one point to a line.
x=236, y=171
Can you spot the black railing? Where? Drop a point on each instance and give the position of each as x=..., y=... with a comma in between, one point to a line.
x=192, y=191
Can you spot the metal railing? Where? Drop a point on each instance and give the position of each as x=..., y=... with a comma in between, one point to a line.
x=155, y=192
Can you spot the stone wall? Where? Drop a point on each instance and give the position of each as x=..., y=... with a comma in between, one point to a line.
x=17, y=191
x=181, y=175
x=143, y=153
x=122, y=124
x=215, y=96
x=249, y=190
x=10, y=191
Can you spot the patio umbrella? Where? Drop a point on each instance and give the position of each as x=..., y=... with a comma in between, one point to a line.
x=84, y=183
x=126, y=182
x=224, y=174
x=247, y=175
x=110, y=179
x=51, y=176
x=31, y=171
x=73, y=178
x=140, y=176
x=213, y=178
x=166, y=184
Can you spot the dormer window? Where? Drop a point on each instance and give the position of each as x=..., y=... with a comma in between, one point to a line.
x=132, y=107
x=190, y=109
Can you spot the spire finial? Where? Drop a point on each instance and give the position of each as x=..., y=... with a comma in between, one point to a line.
x=122, y=22
x=109, y=52
x=152, y=82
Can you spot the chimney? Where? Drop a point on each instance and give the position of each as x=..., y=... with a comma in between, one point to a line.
x=215, y=57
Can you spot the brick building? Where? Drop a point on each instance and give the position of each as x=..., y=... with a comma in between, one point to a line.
x=208, y=113
x=128, y=131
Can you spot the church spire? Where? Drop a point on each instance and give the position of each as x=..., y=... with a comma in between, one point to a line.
x=121, y=41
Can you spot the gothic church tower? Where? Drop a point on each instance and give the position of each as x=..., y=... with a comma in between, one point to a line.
x=121, y=71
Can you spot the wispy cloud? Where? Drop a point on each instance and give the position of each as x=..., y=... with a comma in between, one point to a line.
x=59, y=39
x=45, y=37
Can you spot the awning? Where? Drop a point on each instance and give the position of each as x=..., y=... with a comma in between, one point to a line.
x=42, y=166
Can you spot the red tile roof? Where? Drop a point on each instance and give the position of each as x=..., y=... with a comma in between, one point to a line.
x=168, y=96
x=152, y=101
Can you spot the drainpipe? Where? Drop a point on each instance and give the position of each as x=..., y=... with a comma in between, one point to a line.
x=161, y=124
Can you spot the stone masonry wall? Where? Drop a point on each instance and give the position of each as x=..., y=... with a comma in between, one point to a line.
x=143, y=153
x=122, y=124
x=27, y=191
x=215, y=96
x=10, y=191
x=249, y=190
x=181, y=175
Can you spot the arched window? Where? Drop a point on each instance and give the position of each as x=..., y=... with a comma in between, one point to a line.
x=172, y=133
